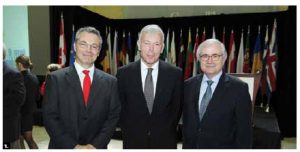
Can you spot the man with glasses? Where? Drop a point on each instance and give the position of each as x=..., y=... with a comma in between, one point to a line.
x=81, y=103
x=217, y=106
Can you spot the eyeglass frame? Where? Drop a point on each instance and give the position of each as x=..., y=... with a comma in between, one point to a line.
x=214, y=57
x=85, y=45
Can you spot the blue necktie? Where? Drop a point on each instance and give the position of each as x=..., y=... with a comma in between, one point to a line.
x=206, y=98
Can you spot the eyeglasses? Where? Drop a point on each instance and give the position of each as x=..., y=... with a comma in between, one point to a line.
x=214, y=57
x=85, y=45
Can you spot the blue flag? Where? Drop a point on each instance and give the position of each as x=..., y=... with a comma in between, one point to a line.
x=72, y=52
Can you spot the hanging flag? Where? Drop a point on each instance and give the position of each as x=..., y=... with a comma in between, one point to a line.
x=213, y=33
x=62, y=43
x=123, y=51
x=231, y=60
x=72, y=52
x=129, y=49
x=106, y=61
x=173, y=50
x=165, y=54
x=109, y=50
x=272, y=60
x=195, y=60
x=137, y=52
x=257, y=63
x=189, y=57
x=181, y=51
x=203, y=37
x=246, y=66
x=264, y=88
x=223, y=36
x=240, y=59
x=115, y=54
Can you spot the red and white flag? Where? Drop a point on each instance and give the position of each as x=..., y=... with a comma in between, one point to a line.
x=62, y=43
x=231, y=60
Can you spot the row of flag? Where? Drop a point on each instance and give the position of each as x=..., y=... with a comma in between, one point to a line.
x=264, y=56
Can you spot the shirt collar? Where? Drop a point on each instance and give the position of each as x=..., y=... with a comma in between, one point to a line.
x=145, y=67
x=79, y=69
x=215, y=78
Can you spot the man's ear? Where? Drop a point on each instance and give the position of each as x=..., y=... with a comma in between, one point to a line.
x=74, y=46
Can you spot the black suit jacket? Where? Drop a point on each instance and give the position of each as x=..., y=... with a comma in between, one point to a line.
x=139, y=128
x=68, y=121
x=227, y=120
x=32, y=93
x=13, y=98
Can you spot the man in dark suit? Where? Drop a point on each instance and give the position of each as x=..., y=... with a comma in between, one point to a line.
x=81, y=103
x=217, y=106
x=13, y=98
x=151, y=94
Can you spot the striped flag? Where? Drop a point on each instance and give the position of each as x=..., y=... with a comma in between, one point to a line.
x=115, y=56
x=189, y=57
x=272, y=60
x=231, y=60
x=62, y=43
x=257, y=63
x=173, y=50
x=240, y=59
x=195, y=65
x=106, y=60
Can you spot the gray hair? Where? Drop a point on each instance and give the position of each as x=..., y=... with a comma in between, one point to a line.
x=91, y=30
x=209, y=42
x=152, y=28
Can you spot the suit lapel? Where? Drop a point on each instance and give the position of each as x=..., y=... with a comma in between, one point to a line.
x=219, y=91
x=196, y=93
x=73, y=80
x=94, y=87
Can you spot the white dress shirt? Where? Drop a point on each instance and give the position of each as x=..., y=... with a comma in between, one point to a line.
x=144, y=71
x=80, y=73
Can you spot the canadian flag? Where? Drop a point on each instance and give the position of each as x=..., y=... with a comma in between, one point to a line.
x=62, y=43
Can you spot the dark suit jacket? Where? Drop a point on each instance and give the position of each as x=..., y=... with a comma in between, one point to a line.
x=139, y=128
x=32, y=92
x=13, y=98
x=67, y=120
x=227, y=120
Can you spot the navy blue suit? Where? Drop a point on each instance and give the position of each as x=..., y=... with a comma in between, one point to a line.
x=227, y=120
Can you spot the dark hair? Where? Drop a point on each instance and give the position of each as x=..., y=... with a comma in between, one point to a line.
x=25, y=61
x=53, y=67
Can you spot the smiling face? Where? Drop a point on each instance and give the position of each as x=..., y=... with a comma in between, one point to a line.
x=151, y=46
x=212, y=59
x=87, y=49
